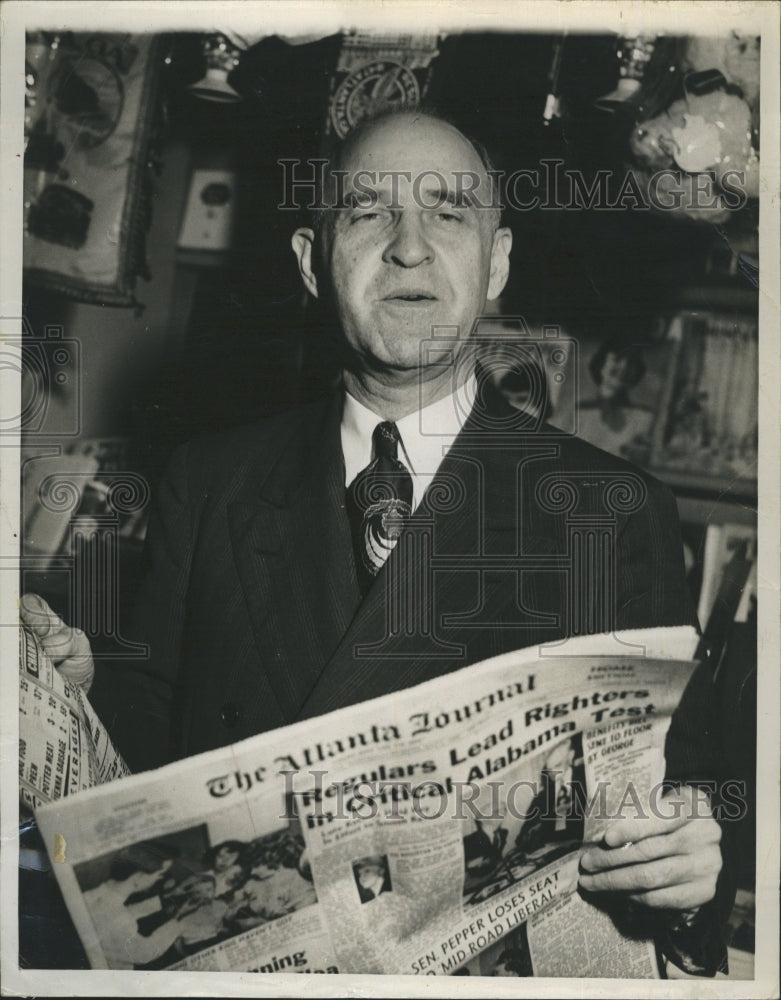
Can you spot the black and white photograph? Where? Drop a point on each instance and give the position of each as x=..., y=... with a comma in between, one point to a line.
x=509, y=958
x=347, y=348
x=372, y=877
x=157, y=902
x=540, y=820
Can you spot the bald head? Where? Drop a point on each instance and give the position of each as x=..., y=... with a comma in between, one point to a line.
x=417, y=149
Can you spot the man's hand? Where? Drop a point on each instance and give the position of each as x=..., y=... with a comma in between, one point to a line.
x=669, y=861
x=68, y=647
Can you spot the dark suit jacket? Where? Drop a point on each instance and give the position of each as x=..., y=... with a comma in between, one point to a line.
x=250, y=603
x=251, y=608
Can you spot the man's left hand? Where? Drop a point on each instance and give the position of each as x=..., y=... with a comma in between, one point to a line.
x=666, y=861
x=69, y=648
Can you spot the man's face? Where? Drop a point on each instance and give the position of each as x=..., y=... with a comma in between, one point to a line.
x=368, y=875
x=225, y=857
x=411, y=250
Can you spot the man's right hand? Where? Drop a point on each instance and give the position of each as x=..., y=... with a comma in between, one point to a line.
x=68, y=648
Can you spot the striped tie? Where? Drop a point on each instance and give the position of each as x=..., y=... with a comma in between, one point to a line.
x=379, y=502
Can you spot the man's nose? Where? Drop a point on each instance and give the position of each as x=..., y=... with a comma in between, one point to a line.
x=409, y=246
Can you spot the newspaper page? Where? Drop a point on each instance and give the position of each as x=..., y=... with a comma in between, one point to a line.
x=63, y=746
x=419, y=833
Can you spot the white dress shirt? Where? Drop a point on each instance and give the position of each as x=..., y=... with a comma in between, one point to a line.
x=426, y=435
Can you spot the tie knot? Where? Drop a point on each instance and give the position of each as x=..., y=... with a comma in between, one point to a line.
x=386, y=440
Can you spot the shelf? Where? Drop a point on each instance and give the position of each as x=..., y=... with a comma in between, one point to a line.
x=711, y=499
x=733, y=297
x=726, y=488
x=712, y=510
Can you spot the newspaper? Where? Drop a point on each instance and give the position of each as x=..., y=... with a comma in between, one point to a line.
x=434, y=831
x=63, y=746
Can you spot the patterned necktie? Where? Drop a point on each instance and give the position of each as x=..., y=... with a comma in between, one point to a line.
x=379, y=502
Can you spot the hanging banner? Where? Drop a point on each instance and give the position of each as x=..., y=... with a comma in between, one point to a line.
x=88, y=121
x=375, y=72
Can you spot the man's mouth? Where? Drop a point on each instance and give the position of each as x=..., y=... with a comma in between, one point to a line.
x=410, y=296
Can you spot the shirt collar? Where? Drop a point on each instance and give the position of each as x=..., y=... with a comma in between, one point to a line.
x=426, y=434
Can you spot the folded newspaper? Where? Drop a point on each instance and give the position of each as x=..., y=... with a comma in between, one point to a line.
x=433, y=831
x=63, y=746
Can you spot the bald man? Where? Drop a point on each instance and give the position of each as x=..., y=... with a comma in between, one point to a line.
x=281, y=556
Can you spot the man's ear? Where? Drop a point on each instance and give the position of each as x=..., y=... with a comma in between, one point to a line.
x=303, y=242
x=500, y=262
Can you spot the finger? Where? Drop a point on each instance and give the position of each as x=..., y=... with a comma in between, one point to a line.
x=669, y=813
x=37, y=615
x=640, y=878
x=78, y=670
x=70, y=652
x=66, y=642
x=690, y=838
x=677, y=897
x=598, y=858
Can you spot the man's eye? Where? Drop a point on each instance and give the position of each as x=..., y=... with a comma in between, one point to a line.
x=366, y=217
x=448, y=217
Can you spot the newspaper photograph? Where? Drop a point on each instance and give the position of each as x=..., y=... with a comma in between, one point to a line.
x=411, y=835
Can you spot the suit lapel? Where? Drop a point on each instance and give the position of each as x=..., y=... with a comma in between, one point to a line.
x=371, y=660
x=292, y=548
